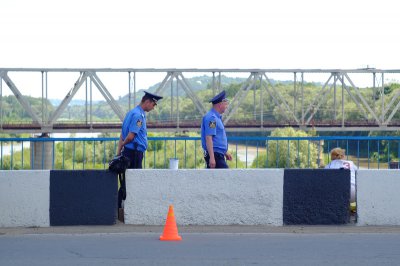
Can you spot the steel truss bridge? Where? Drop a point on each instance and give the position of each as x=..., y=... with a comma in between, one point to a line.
x=339, y=84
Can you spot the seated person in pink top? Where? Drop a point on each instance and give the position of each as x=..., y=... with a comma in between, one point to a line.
x=338, y=161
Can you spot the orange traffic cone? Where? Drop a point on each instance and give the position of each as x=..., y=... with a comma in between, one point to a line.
x=170, y=229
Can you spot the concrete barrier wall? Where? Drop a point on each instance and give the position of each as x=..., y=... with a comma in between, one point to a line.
x=42, y=198
x=316, y=196
x=83, y=197
x=205, y=197
x=378, y=197
x=24, y=198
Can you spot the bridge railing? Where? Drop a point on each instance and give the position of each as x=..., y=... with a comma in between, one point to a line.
x=247, y=152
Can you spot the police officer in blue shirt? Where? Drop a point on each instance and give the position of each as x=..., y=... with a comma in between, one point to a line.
x=213, y=136
x=133, y=138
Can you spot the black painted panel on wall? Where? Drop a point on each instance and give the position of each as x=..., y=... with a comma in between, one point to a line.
x=83, y=197
x=316, y=196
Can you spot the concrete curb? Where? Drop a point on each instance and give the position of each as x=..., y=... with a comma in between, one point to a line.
x=230, y=229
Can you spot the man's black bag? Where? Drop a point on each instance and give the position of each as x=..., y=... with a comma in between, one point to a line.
x=118, y=164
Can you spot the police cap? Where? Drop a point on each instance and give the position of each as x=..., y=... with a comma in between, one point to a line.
x=220, y=97
x=153, y=97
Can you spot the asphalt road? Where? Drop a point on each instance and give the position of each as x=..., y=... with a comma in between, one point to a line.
x=230, y=245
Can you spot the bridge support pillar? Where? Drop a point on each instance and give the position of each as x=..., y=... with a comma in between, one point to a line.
x=42, y=153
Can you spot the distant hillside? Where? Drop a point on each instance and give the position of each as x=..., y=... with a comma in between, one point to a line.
x=57, y=102
x=196, y=84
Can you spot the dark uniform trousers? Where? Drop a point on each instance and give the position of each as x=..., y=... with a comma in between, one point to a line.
x=135, y=158
x=135, y=162
x=219, y=160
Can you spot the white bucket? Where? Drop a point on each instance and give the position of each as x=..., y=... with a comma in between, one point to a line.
x=173, y=163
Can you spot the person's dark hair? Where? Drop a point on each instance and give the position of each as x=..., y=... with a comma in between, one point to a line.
x=146, y=97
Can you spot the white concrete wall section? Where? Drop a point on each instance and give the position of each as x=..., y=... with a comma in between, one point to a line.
x=205, y=197
x=378, y=197
x=24, y=198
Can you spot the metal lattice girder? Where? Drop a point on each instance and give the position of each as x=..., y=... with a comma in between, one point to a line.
x=282, y=100
x=394, y=109
x=186, y=87
x=20, y=98
x=67, y=99
x=314, y=106
x=384, y=117
x=189, y=92
x=320, y=101
x=167, y=80
x=107, y=95
x=362, y=98
x=360, y=106
x=240, y=96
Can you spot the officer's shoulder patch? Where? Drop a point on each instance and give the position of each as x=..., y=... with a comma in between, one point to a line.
x=212, y=124
x=139, y=123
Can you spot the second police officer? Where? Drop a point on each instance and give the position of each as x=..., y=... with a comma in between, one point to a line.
x=213, y=135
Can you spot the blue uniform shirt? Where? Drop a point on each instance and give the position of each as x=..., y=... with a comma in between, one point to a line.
x=135, y=121
x=212, y=126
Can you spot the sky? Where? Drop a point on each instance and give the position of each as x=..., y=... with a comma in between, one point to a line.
x=199, y=34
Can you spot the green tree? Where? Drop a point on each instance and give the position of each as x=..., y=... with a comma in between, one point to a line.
x=388, y=150
x=17, y=163
x=288, y=153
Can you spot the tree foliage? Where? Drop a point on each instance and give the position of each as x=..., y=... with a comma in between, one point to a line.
x=288, y=153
